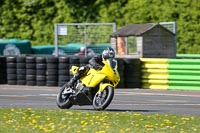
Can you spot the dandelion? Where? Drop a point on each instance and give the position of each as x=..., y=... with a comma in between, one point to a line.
x=127, y=129
x=136, y=114
x=34, y=121
x=9, y=121
x=162, y=124
x=29, y=109
x=137, y=125
x=185, y=118
x=167, y=121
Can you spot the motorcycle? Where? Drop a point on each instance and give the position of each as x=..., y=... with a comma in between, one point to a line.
x=96, y=88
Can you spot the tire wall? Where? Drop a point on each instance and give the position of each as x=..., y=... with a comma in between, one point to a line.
x=172, y=74
x=49, y=70
x=3, y=73
x=132, y=73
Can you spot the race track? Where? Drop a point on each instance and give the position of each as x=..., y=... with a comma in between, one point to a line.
x=134, y=100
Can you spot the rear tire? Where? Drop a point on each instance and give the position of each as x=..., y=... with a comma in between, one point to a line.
x=63, y=99
x=102, y=102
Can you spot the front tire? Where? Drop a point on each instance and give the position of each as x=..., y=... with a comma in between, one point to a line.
x=101, y=101
x=62, y=99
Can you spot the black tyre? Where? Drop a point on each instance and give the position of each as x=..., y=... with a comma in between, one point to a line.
x=30, y=71
x=41, y=66
x=21, y=71
x=21, y=82
x=74, y=60
x=11, y=59
x=30, y=59
x=12, y=82
x=30, y=66
x=63, y=66
x=52, y=66
x=51, y=83
x=41, y=72
x=31, y=83
x=63, y=78
x=63, y=99
x=11, y=71
x=40, y=83
x=64, y=72
x=21, y=65
x=100, y=102
x=52, y=72
x=21, y=77
x=11, y=65
x=52, y=60
x=31, y=77
x=63, y=59
x=11, y=77
x=41, y=60
x=20, y=59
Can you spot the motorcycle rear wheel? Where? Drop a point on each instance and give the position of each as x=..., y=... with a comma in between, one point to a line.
x=62, y=100
x=101, y=101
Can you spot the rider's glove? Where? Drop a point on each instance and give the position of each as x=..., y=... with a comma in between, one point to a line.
x=98, y=67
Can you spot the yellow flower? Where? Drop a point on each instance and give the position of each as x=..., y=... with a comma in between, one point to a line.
x=137, y=114
x=34, y=121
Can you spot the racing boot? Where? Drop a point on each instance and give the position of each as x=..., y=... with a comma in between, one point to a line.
x=80, y=73
x=73, y=80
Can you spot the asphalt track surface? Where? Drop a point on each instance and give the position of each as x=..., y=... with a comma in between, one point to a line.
x=135, y=100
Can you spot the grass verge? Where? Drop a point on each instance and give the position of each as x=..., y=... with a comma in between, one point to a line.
x=80, y=121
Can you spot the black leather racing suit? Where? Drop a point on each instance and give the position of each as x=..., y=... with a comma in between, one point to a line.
x=95, y=62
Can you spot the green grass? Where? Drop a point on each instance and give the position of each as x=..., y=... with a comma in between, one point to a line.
x=30, y=120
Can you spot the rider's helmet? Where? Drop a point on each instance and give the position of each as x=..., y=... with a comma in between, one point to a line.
x=108, y=53
x=82, y=49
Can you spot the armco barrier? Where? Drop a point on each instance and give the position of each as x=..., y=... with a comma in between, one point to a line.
x=170, y=73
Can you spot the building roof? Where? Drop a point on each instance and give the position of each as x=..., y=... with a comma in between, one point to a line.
x=135, y=29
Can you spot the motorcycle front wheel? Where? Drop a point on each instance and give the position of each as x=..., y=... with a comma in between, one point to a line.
x=103, y=99
x=63, y=98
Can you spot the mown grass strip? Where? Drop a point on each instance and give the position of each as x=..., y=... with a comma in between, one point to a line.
x=80, y=121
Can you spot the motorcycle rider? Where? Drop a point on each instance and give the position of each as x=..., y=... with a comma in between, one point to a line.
x=95, y=62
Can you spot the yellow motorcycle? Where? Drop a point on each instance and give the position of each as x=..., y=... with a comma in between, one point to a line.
x=96, y=88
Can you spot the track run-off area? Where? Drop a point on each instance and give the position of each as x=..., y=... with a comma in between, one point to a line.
x=134, y=100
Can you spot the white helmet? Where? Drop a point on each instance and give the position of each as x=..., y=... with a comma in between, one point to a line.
x=108, y=53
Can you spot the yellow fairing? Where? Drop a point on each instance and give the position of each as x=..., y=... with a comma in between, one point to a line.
x=96, y=77
x=104, y=85
x=74, y=69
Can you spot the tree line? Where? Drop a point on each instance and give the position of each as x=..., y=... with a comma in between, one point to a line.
x=35, y=19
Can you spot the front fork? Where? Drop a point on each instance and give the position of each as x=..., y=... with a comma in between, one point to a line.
x=103, y=86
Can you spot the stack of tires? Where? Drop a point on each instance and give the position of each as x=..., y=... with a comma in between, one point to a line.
x=120, y=63
x=63, y=70
x=11, y=70
x=52, y=71
x=21, y=70
x=84, y=60
x=30, y=71
x=41, y=67
x=3, y=74
x=132, y=73
x=73, y=61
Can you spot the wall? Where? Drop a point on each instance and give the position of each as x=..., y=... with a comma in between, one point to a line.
x=181, y=74
x=49, y=70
